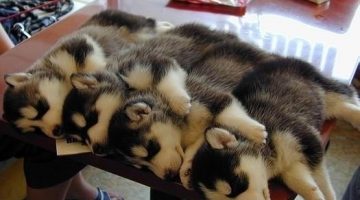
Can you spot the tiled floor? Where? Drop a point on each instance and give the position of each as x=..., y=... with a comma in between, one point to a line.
x=343, y=157
x=111, y=182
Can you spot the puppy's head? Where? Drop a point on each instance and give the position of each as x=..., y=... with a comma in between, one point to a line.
x=90, y=106
x=34, y=101
x=147, y=133
x=226, y=168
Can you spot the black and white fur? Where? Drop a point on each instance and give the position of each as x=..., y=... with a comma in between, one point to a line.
x=292, y=100
x=160, y=63
x=209, y=84
x=220, y=107
x=34, y=99
x=210, y=105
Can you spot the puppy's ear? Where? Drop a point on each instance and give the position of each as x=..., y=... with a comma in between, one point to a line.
x=138, y=111
x=16, y=79
x=82, y=81
x=219, y=138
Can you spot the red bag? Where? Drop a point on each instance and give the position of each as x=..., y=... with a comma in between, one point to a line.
x=232, y=3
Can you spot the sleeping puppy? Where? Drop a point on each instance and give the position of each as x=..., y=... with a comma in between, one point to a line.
x=293, y=114
x=147, y=132
x=34, y=99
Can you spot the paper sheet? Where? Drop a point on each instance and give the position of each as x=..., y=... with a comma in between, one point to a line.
x=64, y=147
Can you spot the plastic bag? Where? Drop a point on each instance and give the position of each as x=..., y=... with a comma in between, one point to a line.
x=232, y=3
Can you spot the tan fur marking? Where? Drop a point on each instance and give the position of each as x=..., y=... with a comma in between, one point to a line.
x=106, y=104
x=96, y=60
x=139, y=77
x=29, y=112
x=79, y=120
x=139, y=151
x=223, y=187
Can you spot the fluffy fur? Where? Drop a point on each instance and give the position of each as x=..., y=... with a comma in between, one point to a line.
x=148, y=64
x=293, y=114
x=29, y=101
x=212, y=102
x=161, y=64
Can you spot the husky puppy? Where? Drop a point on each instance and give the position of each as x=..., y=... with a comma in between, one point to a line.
x=292, y=100
x=143, y=128
x=91, y=105
x=34, y=99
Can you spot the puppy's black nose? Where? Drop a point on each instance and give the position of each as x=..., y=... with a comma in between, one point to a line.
x=170, y=175
x=57, y=131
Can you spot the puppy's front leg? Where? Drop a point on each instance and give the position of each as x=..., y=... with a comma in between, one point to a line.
x=235, y=116
x=172, y=86
x=164, y=75
x=185, y=169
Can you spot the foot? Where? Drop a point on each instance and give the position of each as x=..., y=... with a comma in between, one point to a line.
x=316, y=194
x=73, y=139
x=266, y=193
x=103, y=195
x=180, y=104
x=255, y=132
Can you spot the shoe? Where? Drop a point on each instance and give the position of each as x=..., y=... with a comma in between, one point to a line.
x=103, y=195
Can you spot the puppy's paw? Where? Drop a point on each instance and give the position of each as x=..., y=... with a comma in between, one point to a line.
x=73, y=138
x=256, y=132
x=316, y=194
x=266, y=193
x=180, y=104
x=185, y=174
